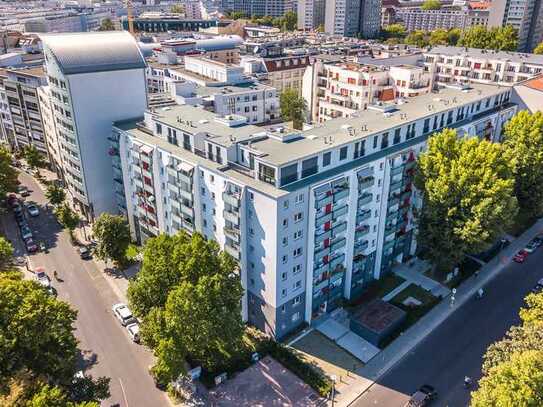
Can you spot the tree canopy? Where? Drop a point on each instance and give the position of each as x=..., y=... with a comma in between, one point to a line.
x=539, y=49
x=6, y=251
x=523, y=137
x=113, y=236
x=8, y=174
x=55, y=194
x=467, y=187
x=67, y=217
x=431, y=5
x=177, y=9
x=107, y=25
x=417, y=38
x=293, y=107
x=33, y=157
x=188, y=295
x=394, y=31
x=495, y=38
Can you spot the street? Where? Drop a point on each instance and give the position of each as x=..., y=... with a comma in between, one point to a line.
x=455, y=349
x=106, y=347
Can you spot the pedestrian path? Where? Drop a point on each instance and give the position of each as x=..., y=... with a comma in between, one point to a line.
x=393, y=353
x=414, y=273
x=396, y=291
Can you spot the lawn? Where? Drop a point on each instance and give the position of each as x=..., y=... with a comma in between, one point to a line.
x=378, y=289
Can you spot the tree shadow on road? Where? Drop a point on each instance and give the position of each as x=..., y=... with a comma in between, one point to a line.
x=87, y=359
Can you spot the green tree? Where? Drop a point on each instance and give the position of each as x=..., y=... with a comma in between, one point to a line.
x=55, y=194
x=320, y=28
x=68, y=218
x=496, y=38
x=417, y=38
x=6, y=251
x=517, y=382
x=290, y=21
x=394, y=31
x=523, y=137
x=467, y=188
x=177, y=9
x=454, y=35
x=107, y=25
x=539, y=49
x=292, y=107
x=236, y=15
x=439, y=37
x=8, y=174
x=33, y=157
x=431, y=5
x=113, y=235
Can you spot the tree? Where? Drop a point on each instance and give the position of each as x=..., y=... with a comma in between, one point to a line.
x=68, y=218
x=394, y=31
x=496, y=38
x=467, y=188
x=431, y=5
x=33, y=157
x=290, y=21
x=417, y=38
x=177, y=9
x=539, y=49
x=320, y=28
x=113, y=235
x=454, y=35
x=6, y=251
x=523, y=137
x=236, y=15
x=517, y=382
x=188, y=295
x=439, y=37
x=55, y=194
x=8, y=174
x=107, y=25
x=292, y=107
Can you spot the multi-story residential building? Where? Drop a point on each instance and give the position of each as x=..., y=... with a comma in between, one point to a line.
x=311, y=216
x=165, y=22
x=526, y=16
x=23, y=123
x=447, y=17
x=370, y=18
x=92, y=86
x=49, y=130
x=221, y=48
x=334, y=90
x=274, y=8
x=457, y=64
x=282, y=72
x=342, y=17
x=310, y=14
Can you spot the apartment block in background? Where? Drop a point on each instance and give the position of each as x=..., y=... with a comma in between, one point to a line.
x=311, y=216
x=310, y=14
x=94, y=79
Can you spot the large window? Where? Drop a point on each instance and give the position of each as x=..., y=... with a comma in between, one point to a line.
x=309, y=167
x=326, y=158
x=289, y=174
x=343, y=153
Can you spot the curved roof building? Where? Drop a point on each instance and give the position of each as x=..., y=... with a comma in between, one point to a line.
x=94, y=52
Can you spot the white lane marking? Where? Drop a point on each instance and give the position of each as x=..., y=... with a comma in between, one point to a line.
x=124, y=394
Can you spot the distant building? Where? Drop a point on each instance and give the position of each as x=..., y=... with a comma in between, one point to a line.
x=274, y=8
x=167, y=22
x=90, y=89
x=223, y=49
x=310, y=14
x=351, y=18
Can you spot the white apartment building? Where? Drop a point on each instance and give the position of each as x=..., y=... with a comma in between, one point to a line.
x=211, y=71
x=447, y=17
x=310, y=14
x=333, y=90
x=312, y=217
x=342, y=17
x=92, y=86
x=458, y=64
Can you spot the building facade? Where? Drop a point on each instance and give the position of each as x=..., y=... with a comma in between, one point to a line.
x=312, y=217
x=447, y=17
x=310, y=14
x=90, y=89
x=274, y=8
x=342, y=17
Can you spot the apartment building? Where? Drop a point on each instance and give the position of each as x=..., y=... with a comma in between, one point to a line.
x=342, y=17
x=274, y=8
x=312, y=217
x=333, y=90
x=21, y=115
x=92, y=86
x=447, y=17
x=280, y=72
x=457, y=64
x=310, y=14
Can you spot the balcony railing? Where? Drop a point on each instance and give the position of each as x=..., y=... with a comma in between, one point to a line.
x=232, y=217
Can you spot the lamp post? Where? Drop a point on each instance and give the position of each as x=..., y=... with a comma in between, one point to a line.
x=333, y=377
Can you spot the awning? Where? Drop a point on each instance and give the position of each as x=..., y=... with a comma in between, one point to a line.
x=146, y=149
x=185, y=167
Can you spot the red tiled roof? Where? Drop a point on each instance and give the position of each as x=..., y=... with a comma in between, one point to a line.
x=479, y=5
x=536, y=83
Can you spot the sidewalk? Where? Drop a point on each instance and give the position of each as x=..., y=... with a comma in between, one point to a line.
x=396, y=351
x=415, y=274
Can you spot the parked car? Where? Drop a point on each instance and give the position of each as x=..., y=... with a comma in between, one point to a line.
x=123, y=314
x=520, y=256
x=422, y=396
x=43, y=246
x=531, y=246
x=33, y=210
x=134, y=332
x=12, y=200
x=538, y=240
x=31, y=247
x=17, y=208
x=20, y=219
x=26, y=233
x=538, y=287
x=23, y=190
x=85, y=253
x=42, y=277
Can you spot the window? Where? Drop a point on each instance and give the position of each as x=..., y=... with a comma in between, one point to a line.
x=359, y=149
x=298, y=285
x=375, y=140
x=298, y=216
x=426, y=128
x=326, y=158
x=298, y=234
x=203, y=190
x=285, y=258
x=285, y=223
x=299, y=198
x=384, y=141
x=289, y=174
x=251, y=230
x=343, y=153
x=297, y=252
x=295, y=316
x=284, y=275
x=283, y=309
x=284, y=292
x=309, y=167
x=296, y=300
x=285, y=241
x=158, y=128
x=285, y=204
x=296, y=269
x=213, y=195
x=397, y=137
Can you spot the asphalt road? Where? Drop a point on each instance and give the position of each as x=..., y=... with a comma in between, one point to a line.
x=455, y=349
x=107, y=349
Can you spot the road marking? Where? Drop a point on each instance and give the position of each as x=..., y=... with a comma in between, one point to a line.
x=124, y=394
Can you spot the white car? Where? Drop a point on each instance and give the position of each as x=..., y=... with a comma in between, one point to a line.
x=134, y=331
x=123, y=314
x=33, y=210
x=43, y=278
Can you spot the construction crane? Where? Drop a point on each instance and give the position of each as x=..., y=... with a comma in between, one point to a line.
x=130, y=17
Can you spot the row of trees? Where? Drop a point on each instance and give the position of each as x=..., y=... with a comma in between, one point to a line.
x=496, y=38
x=38, y=349
x=513, y=367
x=473, y=189
x=188, y=297
x=288, y=22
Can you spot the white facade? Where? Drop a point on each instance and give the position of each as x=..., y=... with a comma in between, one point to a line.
x=217, y=71
x=310, y=14
x=311, y=217
x=89, y=92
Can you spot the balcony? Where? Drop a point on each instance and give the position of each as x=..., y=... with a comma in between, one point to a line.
x=337, y=261
x=232, y=234
x=388, y=245
x=398, y=169
x=319, y=269
x=365, y=199
x=394, y=199
x=232, y=251
x=338, y=244
x=319, y=285
x=176, y=218
x=360, y=246
x=320, y=254
x=186, y=210
x=325, y=200
x=409, y=165
x=339, y=227
x=361, y=231
x=231, y=199
x=366, y=183
x=340, y=211
x=232, y=217
x=174, y=204
x=363, y=216
x=344, y=193
x=185, y=194
x=323, y=219
x=321, y=238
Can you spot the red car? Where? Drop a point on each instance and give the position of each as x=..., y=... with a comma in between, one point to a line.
x=31, y=247
x=520, y=256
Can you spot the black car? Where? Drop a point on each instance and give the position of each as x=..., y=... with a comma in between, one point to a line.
x=422, y=397
x=429, y=391
x=85, y=253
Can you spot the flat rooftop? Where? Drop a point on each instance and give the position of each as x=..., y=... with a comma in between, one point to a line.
x=378, y=315
x=489, y=54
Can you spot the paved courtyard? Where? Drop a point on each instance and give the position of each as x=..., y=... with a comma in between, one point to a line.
x=266, y=383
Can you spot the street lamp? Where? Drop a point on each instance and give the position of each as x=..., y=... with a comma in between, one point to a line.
x=333, y=377
x=453, y=298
